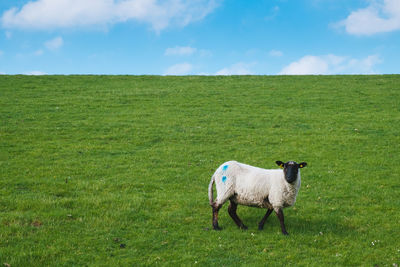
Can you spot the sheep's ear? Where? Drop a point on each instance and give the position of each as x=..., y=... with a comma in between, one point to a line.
x=280, y=163
x=302, y=165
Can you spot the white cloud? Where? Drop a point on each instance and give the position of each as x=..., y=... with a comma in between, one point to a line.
x=205, y=53
x=363, y=66
x=273, y=13
x=51, y=14
x=179, y=69
x=54, y=44
x=187, y=51
x=38, y=52
x=180, y=51
x=236, y=69
x=306, y=65
x=275, y=53
x=35, y=72
x=380, y=16
x=331, y=64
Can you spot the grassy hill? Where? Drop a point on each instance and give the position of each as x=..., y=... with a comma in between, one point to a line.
x=114, y=170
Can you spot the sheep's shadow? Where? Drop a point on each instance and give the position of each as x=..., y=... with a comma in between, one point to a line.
x=295, y=224
x=318, y=226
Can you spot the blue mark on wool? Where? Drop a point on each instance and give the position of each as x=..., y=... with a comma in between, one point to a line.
x=223, y=179
x=225, y=168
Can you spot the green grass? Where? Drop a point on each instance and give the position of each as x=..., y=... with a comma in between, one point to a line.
x=114, y=170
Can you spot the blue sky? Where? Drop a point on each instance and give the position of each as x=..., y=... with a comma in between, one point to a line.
x=200, y=37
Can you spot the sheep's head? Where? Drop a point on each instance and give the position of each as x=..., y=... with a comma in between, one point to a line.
x=291, y=169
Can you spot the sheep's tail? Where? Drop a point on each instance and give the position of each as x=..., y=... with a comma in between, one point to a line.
x=210, y=190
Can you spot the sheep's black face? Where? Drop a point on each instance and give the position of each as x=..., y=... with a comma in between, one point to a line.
x=291, y=169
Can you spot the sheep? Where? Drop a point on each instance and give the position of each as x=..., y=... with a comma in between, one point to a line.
x=247, y=185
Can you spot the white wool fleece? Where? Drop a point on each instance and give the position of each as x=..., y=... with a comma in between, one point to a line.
x=253, y=186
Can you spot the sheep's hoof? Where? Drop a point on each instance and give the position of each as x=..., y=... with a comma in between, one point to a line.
x=217, y=228
x=285, y=233
x=243, y=227
x=260, y=228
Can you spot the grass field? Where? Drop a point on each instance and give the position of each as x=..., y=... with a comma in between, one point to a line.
x=114, y=170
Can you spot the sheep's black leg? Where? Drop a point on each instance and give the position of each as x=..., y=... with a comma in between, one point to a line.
x=262, y=222
x=281, y=220
x=215, y=210
x=232, y=212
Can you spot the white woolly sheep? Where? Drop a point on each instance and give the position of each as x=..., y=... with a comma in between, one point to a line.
x=243, y=184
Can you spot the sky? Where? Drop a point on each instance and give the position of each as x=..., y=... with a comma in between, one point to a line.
x=200, y=37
